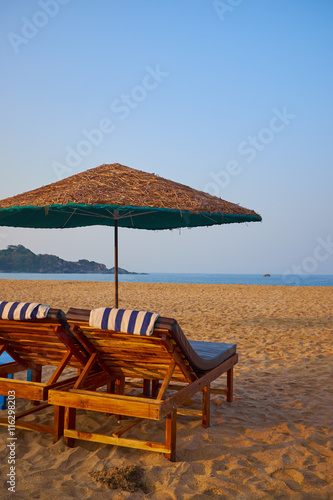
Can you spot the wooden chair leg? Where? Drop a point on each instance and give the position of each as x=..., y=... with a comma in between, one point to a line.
x=110, y=389
x=69, y=423
x=230, y=385
x=3, y=399
x=170, y=435
x=155, y=388
x=120, y=388
x=59, y=412
x=120, y=385
x=36, y=376
x=146, y=387
x=206, y=406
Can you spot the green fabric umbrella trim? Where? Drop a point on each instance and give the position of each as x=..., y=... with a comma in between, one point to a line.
x=79, y=215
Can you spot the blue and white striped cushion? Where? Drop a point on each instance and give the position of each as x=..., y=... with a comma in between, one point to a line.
x=123, y=320
x=20, y=311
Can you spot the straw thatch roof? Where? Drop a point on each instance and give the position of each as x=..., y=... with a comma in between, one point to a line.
x=116, y=184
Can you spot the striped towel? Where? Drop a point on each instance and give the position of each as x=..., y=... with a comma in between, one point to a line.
x=23, y=310
x=123, y=320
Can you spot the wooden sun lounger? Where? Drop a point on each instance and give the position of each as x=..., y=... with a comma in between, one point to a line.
x=35, y=343
x=166, y=358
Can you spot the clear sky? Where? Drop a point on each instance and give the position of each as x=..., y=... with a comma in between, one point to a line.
x=233, y=97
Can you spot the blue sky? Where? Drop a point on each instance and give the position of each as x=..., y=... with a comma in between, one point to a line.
x=231, y=97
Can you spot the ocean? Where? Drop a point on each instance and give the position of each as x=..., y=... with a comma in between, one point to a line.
x=228, y=279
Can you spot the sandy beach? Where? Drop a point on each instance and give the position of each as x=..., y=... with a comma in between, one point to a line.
x=273, y=442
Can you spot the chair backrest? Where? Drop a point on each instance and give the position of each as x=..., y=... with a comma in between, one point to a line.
x=41, y=341
x=134, y=355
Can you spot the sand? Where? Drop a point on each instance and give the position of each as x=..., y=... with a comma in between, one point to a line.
x=273, y=442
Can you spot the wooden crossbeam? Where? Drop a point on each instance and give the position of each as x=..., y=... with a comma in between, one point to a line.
x=166, y=380
x=189, y=412
x=23, y=389
x=85, y=372
x=128, y=443
x=181, y=396
x=29, y=411
x=12, y=367
x=131, y=406
x=46, y=429
x=127, y=427
x=60, y=368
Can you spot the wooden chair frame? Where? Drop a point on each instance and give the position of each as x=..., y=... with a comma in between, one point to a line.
x=33, y=344
x=157, y=358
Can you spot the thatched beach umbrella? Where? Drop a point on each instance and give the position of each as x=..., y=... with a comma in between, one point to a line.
x=115, y=195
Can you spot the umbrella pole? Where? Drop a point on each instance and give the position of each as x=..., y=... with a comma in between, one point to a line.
x=116, y=262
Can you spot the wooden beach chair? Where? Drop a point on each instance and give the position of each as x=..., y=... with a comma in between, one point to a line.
x=177, y=368
x=34, y=344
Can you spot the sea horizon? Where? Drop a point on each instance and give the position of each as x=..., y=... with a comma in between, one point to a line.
x=199, y=278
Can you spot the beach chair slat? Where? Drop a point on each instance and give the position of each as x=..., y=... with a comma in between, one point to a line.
x=161, y=367
x=134, y=350
x=49, y=359
x=140, y=372
x=143, y=348
x=126, y=357
x=37, y=348
x=35, y=338
x=108, y=335
x=28, y=329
